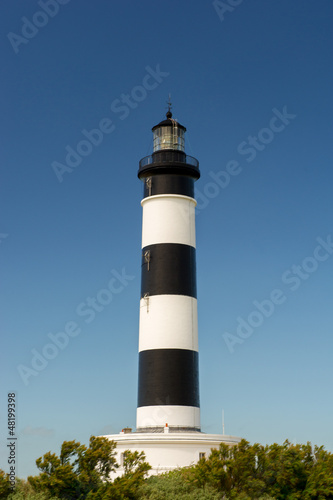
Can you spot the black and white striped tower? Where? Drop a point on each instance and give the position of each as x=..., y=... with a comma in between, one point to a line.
x=168, y=412
x=168, y=385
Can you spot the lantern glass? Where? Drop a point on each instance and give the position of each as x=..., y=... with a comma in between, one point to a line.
x=169, y=137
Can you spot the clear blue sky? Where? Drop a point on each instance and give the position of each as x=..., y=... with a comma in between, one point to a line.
x=230, y=74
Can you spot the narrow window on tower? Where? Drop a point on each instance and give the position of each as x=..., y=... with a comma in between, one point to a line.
x=147, y=258
x=149, y=184
x=146, y=297
x=202, y=454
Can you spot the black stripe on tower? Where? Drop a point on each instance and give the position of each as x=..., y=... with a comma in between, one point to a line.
x=168, y=184
x=168, y=269
x=168, y=377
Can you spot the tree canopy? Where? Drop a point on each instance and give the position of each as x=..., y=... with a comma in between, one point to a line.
x=242, y=472
x=82, y=472
x=284, y=471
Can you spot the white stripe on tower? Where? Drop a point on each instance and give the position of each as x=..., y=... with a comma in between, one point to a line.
x=168, y=219
x=168, y=389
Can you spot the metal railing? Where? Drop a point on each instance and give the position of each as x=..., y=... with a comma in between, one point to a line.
x=169, y=157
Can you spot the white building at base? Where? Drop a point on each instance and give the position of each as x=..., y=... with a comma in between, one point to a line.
x=167, y=451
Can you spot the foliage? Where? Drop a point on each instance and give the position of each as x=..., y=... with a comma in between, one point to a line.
x=84, y=473
x=24, y=491
x=5, y=486
x=320, y=480
x=242, y=472
x=284, y=471
x=126, y=486
x=176, y=486
x=78, y=470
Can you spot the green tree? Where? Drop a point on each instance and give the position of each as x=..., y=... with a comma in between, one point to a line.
x=282, y=472
x=5, y=486
x=24, y=491
x=287, y=469
x=240, y=472
x=246, y=470
x=126, y=486
x=176, y=485
x=213, y=471
x=319, y=485
x=78, y=470
x=231, y=470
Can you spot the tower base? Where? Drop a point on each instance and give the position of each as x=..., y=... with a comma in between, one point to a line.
x=166, y=451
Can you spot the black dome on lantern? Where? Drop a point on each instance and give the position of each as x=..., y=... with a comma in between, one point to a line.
x=169, y=122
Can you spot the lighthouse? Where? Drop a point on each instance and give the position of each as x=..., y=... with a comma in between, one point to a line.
x=168, y=382
x=168, y=426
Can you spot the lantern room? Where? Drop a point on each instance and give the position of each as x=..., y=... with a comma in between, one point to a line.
x=169, y=134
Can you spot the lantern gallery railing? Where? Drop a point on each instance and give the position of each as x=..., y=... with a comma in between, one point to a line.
x=169, y=157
